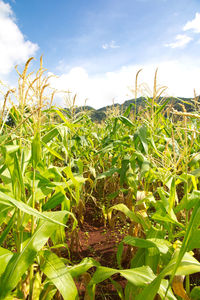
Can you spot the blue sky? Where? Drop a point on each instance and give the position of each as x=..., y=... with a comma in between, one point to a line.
x=96, y=47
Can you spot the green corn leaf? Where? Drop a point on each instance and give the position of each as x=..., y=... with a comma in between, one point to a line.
x=192, y=227
x=25, y=158
x=52, y=151
x=20, y=262
x=138, y=242
x=119, y=254
x=163, y=288
x=196, y=172
x=108, y=173
x=134, y=217
x=71, y=126
x=56, y=271
x=162, y=106
x=127, y=111
x=195, y=293
x=188, y=265
x=167, y=219
x=188, y=202
x=118, y=288
x=9, y=149
x=139, y=277
x=50, y=135
x=5, y=256
x=36, y=150
x=172, y=195
x=194, y=242
x=4, y=209
x=152, y=252
x=12, y=163
x=7, y=200
x=161, y=244
x=142, y=134
x=7, y=229
x=139, y=258
x=55, y=200
x=123, y=208
x=126, y=122
x=151, y=290
x=48, y=292
x=82, y=267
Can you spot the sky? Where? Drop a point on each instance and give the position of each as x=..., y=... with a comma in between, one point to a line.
x=96, y=47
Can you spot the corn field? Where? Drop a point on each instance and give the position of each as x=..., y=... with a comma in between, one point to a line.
x=138, y=171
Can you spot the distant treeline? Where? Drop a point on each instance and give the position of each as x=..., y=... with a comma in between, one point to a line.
x=98, y=115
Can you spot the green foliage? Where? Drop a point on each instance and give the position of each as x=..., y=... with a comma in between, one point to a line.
x=140, y=167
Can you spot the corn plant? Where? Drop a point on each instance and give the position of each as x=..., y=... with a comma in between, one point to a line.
x=141, y=167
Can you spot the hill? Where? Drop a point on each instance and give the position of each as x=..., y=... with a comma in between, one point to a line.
x=100, y=114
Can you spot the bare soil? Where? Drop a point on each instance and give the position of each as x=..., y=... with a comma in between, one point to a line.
x=95, y=239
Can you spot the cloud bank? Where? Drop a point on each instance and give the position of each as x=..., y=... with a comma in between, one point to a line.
x=193, y=25
x=111, y=45
x=181, y=40
x=15, y=49
x=180, y=77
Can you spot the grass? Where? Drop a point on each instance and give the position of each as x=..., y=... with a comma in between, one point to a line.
x=140, y=169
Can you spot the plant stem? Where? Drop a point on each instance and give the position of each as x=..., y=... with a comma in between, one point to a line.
x=31, y=274
x=33, y=200
x=188, y=284
x=186, y=191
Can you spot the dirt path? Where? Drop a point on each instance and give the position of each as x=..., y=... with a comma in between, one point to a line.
x=100, y=242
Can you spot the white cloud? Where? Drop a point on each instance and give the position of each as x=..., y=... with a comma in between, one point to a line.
x=181, y=40
x=111, y=45
x=100, y=90
x=194, y=24
x=14, y=49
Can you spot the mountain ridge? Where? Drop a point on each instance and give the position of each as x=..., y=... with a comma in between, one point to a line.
x=101, y=113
